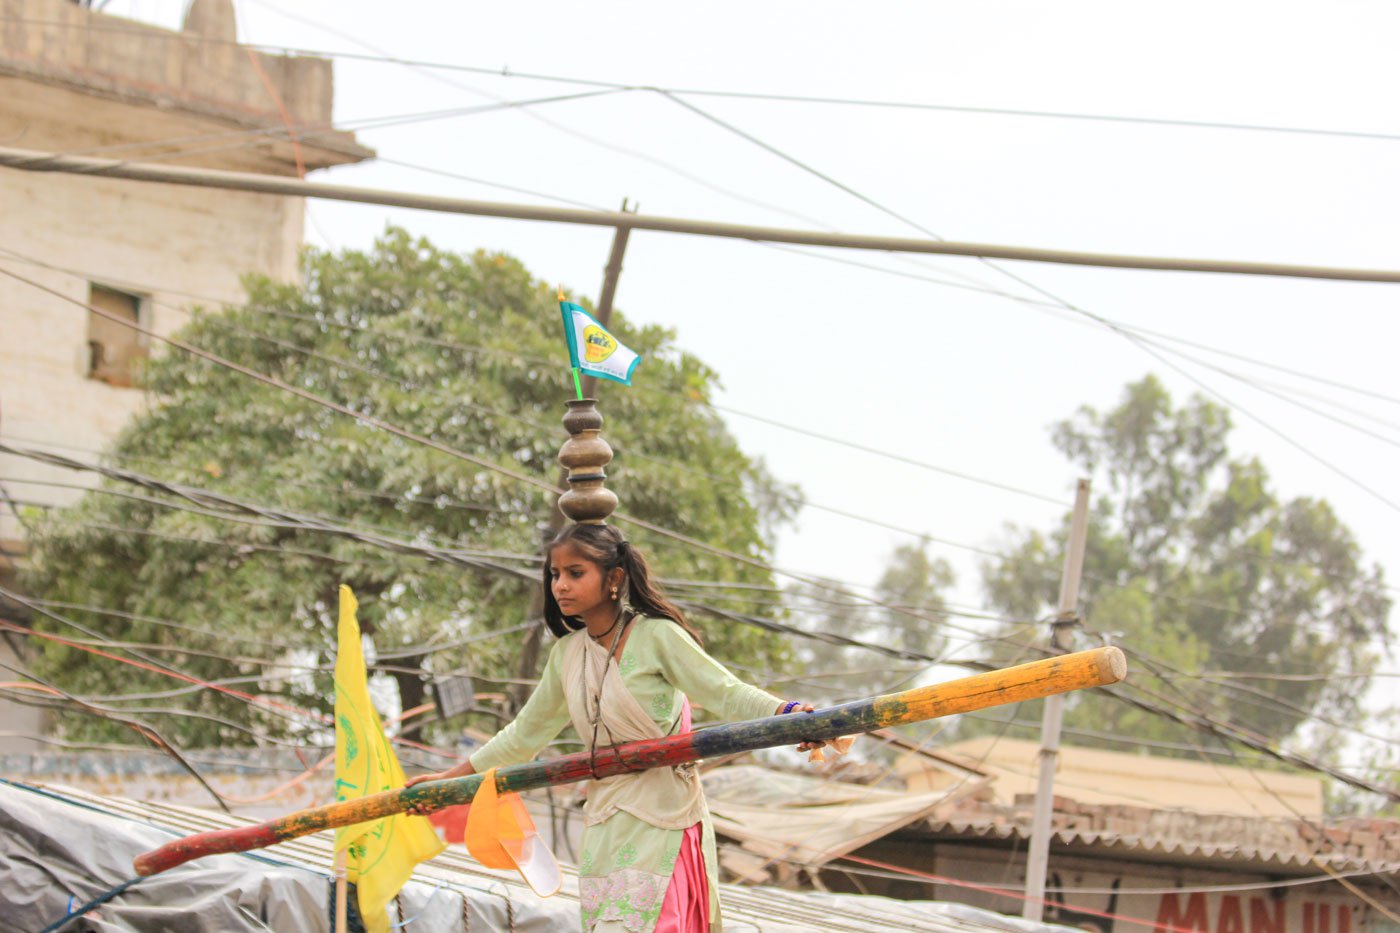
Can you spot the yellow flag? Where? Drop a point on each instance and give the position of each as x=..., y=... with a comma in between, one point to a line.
x=381, y=853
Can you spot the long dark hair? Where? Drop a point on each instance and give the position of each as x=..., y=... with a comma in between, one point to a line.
x=605, y=546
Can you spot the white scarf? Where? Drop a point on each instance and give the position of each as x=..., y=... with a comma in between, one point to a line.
x=668, y=798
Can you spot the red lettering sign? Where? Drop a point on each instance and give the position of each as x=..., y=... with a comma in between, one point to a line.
x=1172, y=919
x=1231, y=918
x=1261, y=922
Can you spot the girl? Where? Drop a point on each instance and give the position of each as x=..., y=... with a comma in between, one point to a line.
x=623, y=669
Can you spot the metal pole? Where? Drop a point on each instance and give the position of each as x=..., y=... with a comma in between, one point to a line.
x=1094, y=668
x=32, y=161
x=529, y=662
x=611, y=273
x=1038, y=854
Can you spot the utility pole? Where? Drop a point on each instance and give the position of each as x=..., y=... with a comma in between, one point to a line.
x=1038, y=854
x=611, y=274
x=530, y=649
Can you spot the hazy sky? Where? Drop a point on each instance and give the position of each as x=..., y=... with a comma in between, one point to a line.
x=960, y=379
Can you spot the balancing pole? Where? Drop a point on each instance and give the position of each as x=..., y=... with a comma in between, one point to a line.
x=1035, y=680
x=585, y=455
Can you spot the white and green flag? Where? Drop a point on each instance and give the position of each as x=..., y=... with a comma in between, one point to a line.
x=594, y=351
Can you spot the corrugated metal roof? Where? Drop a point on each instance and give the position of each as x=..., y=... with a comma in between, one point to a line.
x=745, y=908
x=1162, y=849
x=1100, y=777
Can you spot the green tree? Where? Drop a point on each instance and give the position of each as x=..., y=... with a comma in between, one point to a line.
x=907, y=615
x=465, y=349
x=912, y=586
x=1194, y=564
x=832, y=672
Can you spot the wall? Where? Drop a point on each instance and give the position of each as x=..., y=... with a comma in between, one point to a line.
x=65, y=231
x=77, y=81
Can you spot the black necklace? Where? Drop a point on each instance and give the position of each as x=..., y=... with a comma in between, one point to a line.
x=601, y=635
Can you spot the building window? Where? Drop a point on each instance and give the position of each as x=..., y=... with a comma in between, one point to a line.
x=114, y=350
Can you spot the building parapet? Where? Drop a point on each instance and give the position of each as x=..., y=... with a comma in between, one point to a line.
x=201, y=71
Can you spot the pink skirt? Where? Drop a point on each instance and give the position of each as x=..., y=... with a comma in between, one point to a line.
x=686, y=906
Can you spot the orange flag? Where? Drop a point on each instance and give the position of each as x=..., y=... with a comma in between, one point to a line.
x=500, y=834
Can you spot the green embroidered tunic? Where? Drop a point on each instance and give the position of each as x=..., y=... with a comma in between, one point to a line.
x=627, y=860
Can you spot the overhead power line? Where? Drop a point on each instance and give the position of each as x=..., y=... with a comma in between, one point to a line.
x=629, y=449
x=332, y=526
x=145, y=730
x=265, y=703
x=1306, y=450
x=505, y=71
x=31, y=160
x=888, y=455
x=323, y=321
x=283, y=517
x=626, y=449
x=1139, y=341
x=1253, y=696
x=1202, y=721
x=209, y=498
x=276, y=132
x=1143, y=344
x=426, y=549
x=602, y=142
x=1193, y=719
x=1395, y=400
x=1021, y=112
x=246, y=520
x=1151, y=342
x=407, y=651
x=1113, y=326
x=1066, y=305
x=337, y=527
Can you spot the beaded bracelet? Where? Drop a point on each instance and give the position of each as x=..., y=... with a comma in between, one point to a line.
x=790, y=705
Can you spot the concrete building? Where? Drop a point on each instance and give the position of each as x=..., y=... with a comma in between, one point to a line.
x=73, y=80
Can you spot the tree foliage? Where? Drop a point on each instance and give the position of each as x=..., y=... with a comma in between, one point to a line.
x=1196, y=565
x=464, y=349
x=914, y=611
x=907, y=614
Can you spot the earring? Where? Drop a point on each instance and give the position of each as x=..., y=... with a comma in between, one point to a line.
x=613, y=593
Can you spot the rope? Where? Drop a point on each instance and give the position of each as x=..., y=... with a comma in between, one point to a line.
x=91, y=905
x=441, y=886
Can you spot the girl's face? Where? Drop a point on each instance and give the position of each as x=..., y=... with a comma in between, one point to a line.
x=576, y=582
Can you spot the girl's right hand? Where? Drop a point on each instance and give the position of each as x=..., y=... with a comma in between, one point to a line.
x=796, y=706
